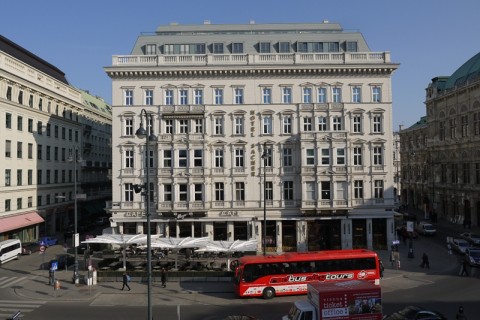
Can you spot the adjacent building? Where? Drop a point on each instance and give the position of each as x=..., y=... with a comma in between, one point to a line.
x=42, y=124
x=440, y=153
x=292, y=122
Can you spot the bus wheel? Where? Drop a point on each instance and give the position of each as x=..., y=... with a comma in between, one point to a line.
x=268, y=293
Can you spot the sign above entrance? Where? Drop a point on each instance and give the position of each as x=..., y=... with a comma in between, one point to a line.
x=325, y=213
x=228, y=213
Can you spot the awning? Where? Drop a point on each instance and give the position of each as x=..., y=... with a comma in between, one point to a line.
x=19, y=221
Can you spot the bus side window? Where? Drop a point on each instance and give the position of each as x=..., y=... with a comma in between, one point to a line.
x=307, y=315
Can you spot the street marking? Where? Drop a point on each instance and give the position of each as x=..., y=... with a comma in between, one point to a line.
x=10, y=281
x=10, y=307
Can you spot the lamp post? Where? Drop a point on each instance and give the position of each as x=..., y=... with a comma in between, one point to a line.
x=148, y=135
x=264, y=232
x=74, y=158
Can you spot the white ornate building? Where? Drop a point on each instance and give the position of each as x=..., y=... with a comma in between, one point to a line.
x=42, y=121
x=312, y=98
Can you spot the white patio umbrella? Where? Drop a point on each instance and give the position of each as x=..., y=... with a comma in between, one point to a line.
x=123, y=240
x=229, y=247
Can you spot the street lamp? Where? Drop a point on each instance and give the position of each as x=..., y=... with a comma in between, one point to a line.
x=264, y=233
x=74, y=158
x=148, y=135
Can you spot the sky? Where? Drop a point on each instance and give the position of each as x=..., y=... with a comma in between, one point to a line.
x=428, y=38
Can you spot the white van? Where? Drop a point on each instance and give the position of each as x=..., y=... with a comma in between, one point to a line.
x=426, y=229
x=9, y=250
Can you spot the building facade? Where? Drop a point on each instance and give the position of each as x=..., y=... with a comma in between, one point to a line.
x=42, y=119
x=440, y=153
x=291, y=122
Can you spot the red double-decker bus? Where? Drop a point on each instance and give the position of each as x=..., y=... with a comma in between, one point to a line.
x=289, y=273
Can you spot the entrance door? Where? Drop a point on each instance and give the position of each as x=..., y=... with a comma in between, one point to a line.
x=359, y=227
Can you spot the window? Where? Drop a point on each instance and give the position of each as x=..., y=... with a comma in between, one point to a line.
x=167, y=192
x=30, y=151
x=47, y=178
x=325, y=156
x=30, y=177
x=150, y=49
x=70, y=134
x=476, y=123
x=19, y=123
x=169, y=97
x=219, y=191
x=337, y=94
x=267, y=124
x=8, y=148
x=287, y=124
x=8, y=177
x=63, y=154
x=30, y=125
x=287, y=157
x=129, y=127
x=264, y=47
x=376, y=94
x=128, y=97
x=48, y=152
x=64, y=133
x=39, y=176
x=307, y=95
x=464, y=120
x=357, y=156
x=337, y=123
x=128, y=187
x=167, y=158
x=268, y=190
x=183, y=192
x=307, y=124
x=377, y=123
x=198, y=191
x=198, y=96
x=378, y=189
x=325, y=190
x=169, y=126
x=357, y=123
x=148, y=97
x=182, y=158
x=218, y=95
x=266, y=95
x=218, y=122
x=218, y=48
x=238, y=95
x=238, y=125
x=286, y=95
x=377, y=156
x=322, y=123
x=30, y=202
x=358, y=189
x=310, y=157
x=7, y=205
x=351, y=46
x=237, y=47
x=9, y=93
x=356, y=94
x=322, y=95
x=198, y=125
x=239, y=158
x=284, y=47
x=149, y=159
x=183, y=125
x=239, y=191
x=129, y=156
x=287, y=190
x=340, y=156
x=267, y=157
x=198, y=158
x=218, y=158
x=55, y=153
x=20, y=97
x=55, y=131
x=309, y=47
x=49, y=129
x=8, y=120
x=183, y=97
x=310, y=191
x=19, y=149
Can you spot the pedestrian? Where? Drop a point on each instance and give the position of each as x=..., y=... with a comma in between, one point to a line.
x=464, y=270
x=163, y=277
x=425, y=262
x=125, y=280
x=461, y=314
x=382, y=268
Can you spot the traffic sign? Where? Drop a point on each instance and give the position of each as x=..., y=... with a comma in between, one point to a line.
x=42, y=248
x=54, y=265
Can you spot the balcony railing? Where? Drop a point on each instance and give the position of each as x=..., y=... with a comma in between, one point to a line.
x=252, y=59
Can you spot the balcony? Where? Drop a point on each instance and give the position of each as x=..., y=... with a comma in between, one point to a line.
x=251, y=59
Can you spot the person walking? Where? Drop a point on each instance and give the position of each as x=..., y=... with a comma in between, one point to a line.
x=461, y=314
x=425, y=262
x=125, y=280
x=464, y=268
x=163, y=277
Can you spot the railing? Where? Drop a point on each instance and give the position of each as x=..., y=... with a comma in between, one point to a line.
x=253, y=59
